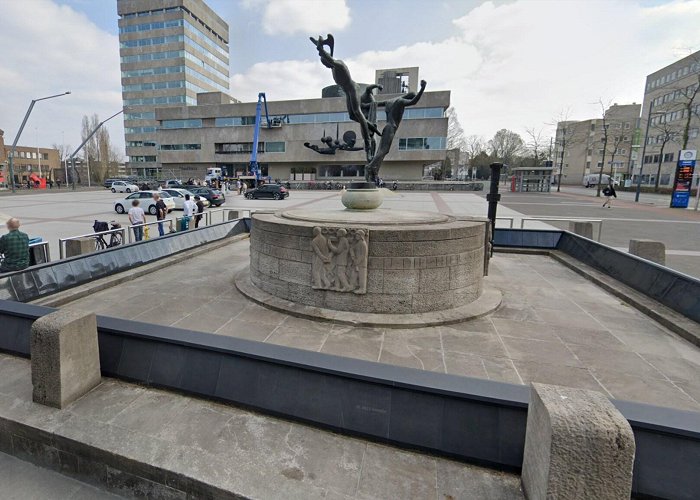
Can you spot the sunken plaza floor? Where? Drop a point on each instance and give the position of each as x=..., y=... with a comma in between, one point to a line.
x=553, y=326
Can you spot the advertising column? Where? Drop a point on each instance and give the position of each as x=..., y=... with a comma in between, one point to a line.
x=683, y=181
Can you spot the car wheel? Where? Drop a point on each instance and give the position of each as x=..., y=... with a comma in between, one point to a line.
x=114, y=190
x=119, y=208
x=152, y=210
x=128, y=190
x=249, y=196
x=276, y=196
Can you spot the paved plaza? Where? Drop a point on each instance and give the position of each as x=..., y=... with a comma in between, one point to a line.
x=554, y=326
x=60, y=214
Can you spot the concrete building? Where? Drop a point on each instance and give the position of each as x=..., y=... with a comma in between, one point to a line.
x=170, y=50
x=218, y=133
x=672, y=96
x=581, y=149
x=28, y=160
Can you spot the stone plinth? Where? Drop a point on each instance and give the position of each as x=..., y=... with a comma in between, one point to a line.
x=65, y=357
x=584, y=229
x=79, y=246
x=378, y=261
x=654, y=251
x=577, y=445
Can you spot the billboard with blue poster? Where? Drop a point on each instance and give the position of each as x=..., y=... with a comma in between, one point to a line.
x=683, y=180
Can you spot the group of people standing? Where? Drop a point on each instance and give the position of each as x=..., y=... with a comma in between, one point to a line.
x=137, y=217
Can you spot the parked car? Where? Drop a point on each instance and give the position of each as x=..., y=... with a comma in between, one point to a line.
x=591, y=180
x=271, y=191
x=147, y=203
x=215, y=197
x=108, y=182
x=178, y=196
x=173, y=183
x=124, y=187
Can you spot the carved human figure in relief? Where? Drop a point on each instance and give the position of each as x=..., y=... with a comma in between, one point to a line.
x=320, y=261
x=341, y=250
x=358, y=256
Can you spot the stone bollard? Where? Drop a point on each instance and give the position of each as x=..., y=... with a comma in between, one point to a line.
x=584, y=229
x=65, y=357
x=234, y=214
x=79, y=246
x=577, y=445
x=654, y=251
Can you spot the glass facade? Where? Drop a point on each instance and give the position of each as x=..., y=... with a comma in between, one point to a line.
x=139, y=130
x=173, y=99
x=341, y=171
x=231, y=148
x=413, y=143
x=180, y=147
x=410, y=114
x=194, y=123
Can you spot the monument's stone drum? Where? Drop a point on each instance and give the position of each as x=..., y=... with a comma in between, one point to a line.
x=378, y=261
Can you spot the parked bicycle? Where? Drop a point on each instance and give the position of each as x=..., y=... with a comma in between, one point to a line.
x=115, y=238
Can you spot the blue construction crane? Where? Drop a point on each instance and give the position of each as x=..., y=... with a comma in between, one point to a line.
x=253, y=165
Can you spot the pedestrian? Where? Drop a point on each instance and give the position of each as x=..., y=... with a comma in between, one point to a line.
x=161, y=212
x=14, y=246
x=187, y=210
x=200, y=208
x=50, y=184
x=58, y=183
x=137, y=216
x=239, y=187
x=609, y=193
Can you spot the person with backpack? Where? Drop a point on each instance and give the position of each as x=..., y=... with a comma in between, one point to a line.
x=609, y=193
x=187, y=210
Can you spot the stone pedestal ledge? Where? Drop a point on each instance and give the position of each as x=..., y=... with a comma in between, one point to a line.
x=488, y=302
x=65, y=357
x=577, y=445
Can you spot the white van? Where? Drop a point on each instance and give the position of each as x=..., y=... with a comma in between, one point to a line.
x=591, y=180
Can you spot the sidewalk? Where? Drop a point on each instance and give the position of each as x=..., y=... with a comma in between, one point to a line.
x=654, y=199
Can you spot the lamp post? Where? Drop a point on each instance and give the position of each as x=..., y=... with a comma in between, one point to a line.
x=644, y=150
x=72, y=156
x=19, y=132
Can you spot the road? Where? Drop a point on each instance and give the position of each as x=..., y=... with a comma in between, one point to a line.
x=53, y=214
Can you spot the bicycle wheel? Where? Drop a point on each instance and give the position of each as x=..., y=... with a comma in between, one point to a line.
x=100, y=243
x=115, y=240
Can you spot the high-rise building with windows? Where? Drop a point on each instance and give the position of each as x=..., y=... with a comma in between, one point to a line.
x=170, y=50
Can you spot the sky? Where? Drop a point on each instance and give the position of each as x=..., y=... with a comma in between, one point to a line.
x=509, y=64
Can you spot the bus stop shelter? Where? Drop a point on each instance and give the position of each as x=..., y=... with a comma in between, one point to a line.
x=538, y=179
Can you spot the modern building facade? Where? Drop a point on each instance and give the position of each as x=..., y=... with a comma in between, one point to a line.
x=170, y=50
x=581, y=147
x=28, y=160
x=672, y=96
x=218, y=133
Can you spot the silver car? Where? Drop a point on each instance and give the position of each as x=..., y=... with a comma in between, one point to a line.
x=124, y=187
x=179, y=197
x=146, y=202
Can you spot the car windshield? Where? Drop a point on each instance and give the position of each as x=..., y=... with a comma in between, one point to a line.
x=132, y=196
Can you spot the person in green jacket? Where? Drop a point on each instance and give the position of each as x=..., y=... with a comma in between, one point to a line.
x=14, y=247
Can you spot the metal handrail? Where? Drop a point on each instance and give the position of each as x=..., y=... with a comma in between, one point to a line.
x=511, y=219
x=566, y=219
x=61, y=241
x=131, y=226
x=47, y=250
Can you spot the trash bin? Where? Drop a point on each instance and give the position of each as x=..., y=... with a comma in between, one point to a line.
x=184, y=223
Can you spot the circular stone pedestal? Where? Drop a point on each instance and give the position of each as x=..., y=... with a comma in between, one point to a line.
x=376, y=267
x=362, y=196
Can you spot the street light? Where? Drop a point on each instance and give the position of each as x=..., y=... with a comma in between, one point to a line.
x=72, y=156
x=644, y=150
x=19, y=132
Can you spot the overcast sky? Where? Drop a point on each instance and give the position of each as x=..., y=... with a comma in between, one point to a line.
x=514, y=64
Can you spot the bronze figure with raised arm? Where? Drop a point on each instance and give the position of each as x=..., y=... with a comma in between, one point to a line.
x=341, y=76
x=394, y=109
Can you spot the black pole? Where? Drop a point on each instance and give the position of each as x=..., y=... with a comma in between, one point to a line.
x=493, y=197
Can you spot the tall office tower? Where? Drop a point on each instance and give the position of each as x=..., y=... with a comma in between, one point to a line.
x=170, y=50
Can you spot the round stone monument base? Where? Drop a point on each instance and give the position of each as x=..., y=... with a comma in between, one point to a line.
x=375, y=262
x=362, y=196
x=488, y=301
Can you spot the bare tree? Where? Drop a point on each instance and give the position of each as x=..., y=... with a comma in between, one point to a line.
x=98, y=152
x=506, y=145
x=605, y=110
x=536, y=144
x=455, y=132
x=688, y=98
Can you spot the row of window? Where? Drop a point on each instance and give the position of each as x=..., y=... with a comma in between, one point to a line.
x=162, y=40
x=152, y=12
x=175, y=23
x=139, y=144
x=31, y=155
x=673, y=75
x=229, y=148
x=207, y=67
x=412, y=143
x=173, y=54
x=150, y=115
x=194, y=123
x=409, y=114
x=672, y=116
x=180, y=147
x=139, y=130
x=174, y=84
x=166, y=70
x=676, y=94
x=142, y=159
x=668, y=157
x=172, y=99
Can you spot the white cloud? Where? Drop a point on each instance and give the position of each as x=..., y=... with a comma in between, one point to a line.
x=286, y=17
x=49, y=49
x=518, y=64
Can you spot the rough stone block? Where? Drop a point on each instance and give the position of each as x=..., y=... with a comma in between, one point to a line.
x=577, y=445
x=654, y=251
x=434, y=280
x=65, y=357
x=400, y=281
x=80, y=246
x=584, y=229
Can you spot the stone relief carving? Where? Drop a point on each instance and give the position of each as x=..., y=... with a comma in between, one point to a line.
x=339, y=259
